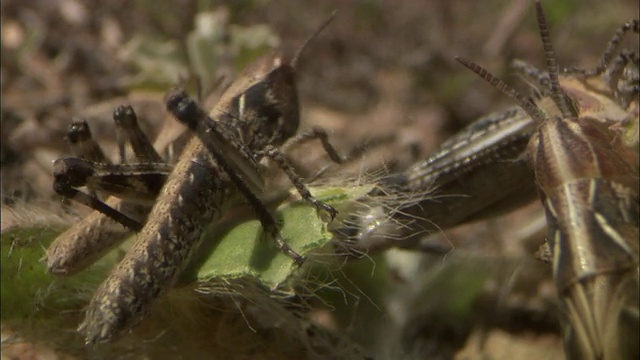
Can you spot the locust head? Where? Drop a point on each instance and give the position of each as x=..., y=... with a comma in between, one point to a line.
x=263, y=102
x=267, y=109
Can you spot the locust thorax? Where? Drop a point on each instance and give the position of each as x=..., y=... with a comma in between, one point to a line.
x=268, y=110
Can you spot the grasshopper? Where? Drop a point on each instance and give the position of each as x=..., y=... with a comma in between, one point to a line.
x=218, y=169
x=569, y=148
x=589, y=192
x=482, y=171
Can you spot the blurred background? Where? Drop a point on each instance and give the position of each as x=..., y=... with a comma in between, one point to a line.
x=381, y=68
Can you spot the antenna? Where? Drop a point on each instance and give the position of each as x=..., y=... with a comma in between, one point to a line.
x=525, y=103
x=315, y=34
x=558, y=96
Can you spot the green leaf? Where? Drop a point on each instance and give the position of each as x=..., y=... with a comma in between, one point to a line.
x=39, y=306
x=245, y=252
x=29, y=292
x=36, y=303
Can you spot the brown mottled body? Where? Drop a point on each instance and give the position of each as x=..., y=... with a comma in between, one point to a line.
x=196, y=193
x=590, y=194
x=591, y=203
x=218, y=169
x=570, y=145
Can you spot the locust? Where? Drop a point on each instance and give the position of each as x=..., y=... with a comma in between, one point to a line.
x=568, y=146
x=590, y=195
x=218, y=169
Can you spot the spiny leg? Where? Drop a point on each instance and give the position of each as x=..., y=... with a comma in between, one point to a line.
x=66, y=176
x=612, y=47
x=138, y=183
x=285, y=164
x=313, y=134
x=612, y=68
x=330, y=150
x=87, y=240
x=267, y=220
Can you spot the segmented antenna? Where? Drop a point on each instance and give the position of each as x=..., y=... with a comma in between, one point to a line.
x=525, y=103
x=559, y=97
x=322, y=26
